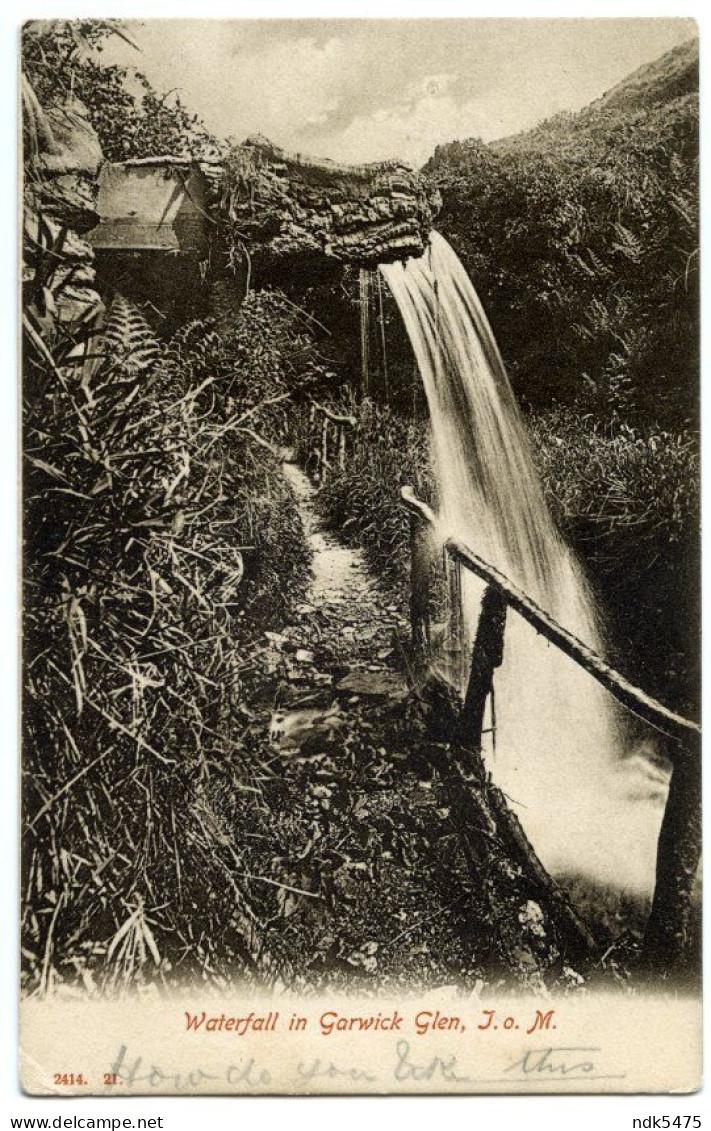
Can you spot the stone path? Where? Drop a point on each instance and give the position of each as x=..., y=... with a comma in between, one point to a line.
x=341, y=651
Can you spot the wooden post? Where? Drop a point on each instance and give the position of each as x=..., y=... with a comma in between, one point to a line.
x=456, y=613
x=487, y=654
x=666, y=936
x=312, y=456
x=420, y=560
x=365, y=331
x=324, y=448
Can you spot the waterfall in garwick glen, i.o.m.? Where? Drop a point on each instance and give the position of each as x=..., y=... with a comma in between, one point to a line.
x=589, y=806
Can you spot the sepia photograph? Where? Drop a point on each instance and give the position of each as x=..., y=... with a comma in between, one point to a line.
x=360, y=554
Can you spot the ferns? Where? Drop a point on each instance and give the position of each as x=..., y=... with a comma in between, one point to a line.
x=127, y=338
x=628, y=499
x=628, y=244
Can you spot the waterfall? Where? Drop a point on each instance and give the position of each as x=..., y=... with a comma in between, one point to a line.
x=589, y=806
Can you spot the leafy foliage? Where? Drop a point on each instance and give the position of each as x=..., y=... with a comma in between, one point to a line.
x=619, y=488
x=162, y=840
x=61, y=59
x=362, y=503
x=128, y=336
x=628, y=500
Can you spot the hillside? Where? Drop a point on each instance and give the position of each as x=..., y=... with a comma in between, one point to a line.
x=582, y=238
x=670, y=81
x=672, y=76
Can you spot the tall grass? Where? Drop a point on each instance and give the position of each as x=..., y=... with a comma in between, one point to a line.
x=622, y=491
x=160, y=539
x=628, y=500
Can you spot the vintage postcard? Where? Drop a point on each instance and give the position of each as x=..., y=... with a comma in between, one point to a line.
x=360, y=427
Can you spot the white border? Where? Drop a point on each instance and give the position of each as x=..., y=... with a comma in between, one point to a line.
x=554, y=1113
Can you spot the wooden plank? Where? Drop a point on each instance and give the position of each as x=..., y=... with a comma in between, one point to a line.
x=683, y=731
x=631, y=697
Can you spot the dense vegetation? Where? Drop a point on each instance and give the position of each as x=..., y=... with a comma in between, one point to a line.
x=157, y=521
x=62, y=60
x=165, y=839
x=627, y=499
x=582, y=240
x=162, y=542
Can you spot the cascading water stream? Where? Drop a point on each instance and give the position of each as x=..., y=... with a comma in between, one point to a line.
x=588, y=807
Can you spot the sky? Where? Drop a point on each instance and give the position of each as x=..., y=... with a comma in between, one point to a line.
x=365, y=90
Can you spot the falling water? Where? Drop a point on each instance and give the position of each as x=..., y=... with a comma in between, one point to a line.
x=586, y=804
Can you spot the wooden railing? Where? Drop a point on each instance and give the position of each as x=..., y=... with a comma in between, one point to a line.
x=326, y=440
x=679, y=847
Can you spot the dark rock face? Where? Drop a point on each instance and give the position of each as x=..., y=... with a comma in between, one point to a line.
x=62, y=160
x=283, y=205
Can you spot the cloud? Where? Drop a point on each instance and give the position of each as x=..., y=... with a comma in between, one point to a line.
x=361, y=90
